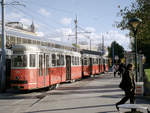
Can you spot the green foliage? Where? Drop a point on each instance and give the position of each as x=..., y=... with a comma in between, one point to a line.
x=118, y=50
x=139, y=9
x=147, y=73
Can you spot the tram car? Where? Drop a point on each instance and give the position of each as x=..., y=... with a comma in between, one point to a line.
x=91, y=63
x=35, y=67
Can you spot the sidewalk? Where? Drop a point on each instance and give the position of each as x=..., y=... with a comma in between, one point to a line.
x=94, y=95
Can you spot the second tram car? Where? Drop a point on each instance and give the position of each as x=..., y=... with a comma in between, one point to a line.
x=91, y=63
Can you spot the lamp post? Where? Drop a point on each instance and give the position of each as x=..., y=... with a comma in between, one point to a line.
x=134, y=23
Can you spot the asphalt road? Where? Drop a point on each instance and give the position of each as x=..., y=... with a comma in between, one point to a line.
x=92, y=95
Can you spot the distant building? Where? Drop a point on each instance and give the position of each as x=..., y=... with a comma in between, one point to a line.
x=32, y=27
x=17, y=33
x=20, y=26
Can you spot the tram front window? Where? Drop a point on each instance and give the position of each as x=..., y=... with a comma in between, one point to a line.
x=19, y=61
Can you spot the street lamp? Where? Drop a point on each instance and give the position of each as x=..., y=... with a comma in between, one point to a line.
x=134, y=23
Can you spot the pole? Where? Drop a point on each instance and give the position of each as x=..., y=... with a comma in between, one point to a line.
x=90, y=44
x=135, y=47
x=113, y=53
x=3, y=41
x=103, y=44
x=76, y=34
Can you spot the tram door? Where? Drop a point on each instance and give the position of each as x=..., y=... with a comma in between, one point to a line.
x=46, y=72
x=68, y=67
x=90, y=66
x=43, y=79
x=99, y=65
x=41, y=65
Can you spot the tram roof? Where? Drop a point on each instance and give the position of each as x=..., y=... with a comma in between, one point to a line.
x=37, y=48
x=90, y=52
x=22, y=34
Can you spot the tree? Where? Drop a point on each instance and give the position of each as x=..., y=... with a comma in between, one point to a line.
x=118, y=50
x=139, y=9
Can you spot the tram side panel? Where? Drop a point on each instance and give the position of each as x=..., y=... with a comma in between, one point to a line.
x=101, y=65
x=86, y=66
x=57, y=69
x=22, y=76
x=95, y=66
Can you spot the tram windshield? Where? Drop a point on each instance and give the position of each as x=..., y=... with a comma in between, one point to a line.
x=19, y=61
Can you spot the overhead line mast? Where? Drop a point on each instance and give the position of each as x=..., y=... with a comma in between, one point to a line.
x=76, y=32
x=3, y=59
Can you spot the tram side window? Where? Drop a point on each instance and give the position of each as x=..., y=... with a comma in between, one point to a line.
x=85, y=61
x=73, y=60
x=19, y=60
x=53, y=60
x=40, y=64
x=103, y=61
x=100, y=61
x=32, y=60
x=58, y=60
x=47, y=63
x=62, y=62
x=76, y=61
x=97, y=61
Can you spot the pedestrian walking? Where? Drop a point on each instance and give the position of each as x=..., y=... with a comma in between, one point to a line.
x=115, y=69
x=128, y=85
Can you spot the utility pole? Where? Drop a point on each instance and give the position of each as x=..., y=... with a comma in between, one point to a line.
x=113, y=53
x=76, y=32
x=3, y=41
x=90, y=44
x=103, y=44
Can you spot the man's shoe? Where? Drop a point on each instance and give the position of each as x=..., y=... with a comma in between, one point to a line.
x=117, y=107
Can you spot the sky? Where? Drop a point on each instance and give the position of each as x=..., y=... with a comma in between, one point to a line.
x=55, y=19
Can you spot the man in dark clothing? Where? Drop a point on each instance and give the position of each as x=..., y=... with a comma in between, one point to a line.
x=129, y=86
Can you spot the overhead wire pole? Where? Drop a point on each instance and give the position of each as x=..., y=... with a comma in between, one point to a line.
x=3, y=42
x=76, y=32
x=103, y=44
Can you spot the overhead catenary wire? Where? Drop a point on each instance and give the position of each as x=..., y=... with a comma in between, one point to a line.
x=43, y=22
x=45, y=4
x=31, y=16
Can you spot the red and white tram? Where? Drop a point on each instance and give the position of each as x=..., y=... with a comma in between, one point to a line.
x=36, y=66
x=91, y=63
